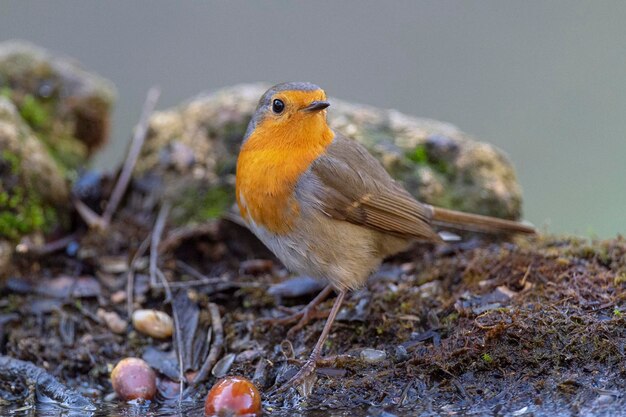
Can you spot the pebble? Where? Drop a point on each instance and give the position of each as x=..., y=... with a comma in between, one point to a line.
x=233, y=396
x=153, y=323
x=373, y=356
x=118, y=297
x=132, y=378
x=113, y=321
x=296, y=287
x=401, y=353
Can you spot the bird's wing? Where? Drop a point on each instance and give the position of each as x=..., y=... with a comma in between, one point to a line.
x=347, y=183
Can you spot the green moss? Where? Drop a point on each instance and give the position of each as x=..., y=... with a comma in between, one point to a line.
x=67, y=151
x=35, y=112
x=202, y=206
x=5, y=92
x=617, y=312
x=39, y=113
x=12, y=160
x=487, y=358
x=22, y=211
x=420, y=156
x=450, y=318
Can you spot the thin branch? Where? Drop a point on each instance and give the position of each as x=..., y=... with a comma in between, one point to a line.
x=156, y=238
x=221, y=283
x=133, y=154
x=130, y=278
x=176, y=336
x=90, y=217
x=200, y=277
x=176, y=236
x=46, y=248
x=13, y=369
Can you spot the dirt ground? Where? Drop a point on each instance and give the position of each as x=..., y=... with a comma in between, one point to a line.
x=521, y=327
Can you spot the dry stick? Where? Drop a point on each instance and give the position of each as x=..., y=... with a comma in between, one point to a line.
x=130, y=278
x=176, y=236
x=176, y=336
x=102, y=222
x=199, y=275
x=90, y=217
x=156, y=238
x=133, y=154
x=156, y=272
x=214, y=353
x=46, y=248
x=202, y=279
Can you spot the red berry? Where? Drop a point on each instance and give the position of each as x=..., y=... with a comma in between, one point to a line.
x=233, y=395
x=132, y=378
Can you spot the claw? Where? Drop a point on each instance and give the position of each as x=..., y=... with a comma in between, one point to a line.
x=302, y=317
x=304, y=379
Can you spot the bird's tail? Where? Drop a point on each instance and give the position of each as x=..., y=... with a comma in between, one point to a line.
x=477, y=223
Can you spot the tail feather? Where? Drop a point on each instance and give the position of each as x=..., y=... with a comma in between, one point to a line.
x=478, y=223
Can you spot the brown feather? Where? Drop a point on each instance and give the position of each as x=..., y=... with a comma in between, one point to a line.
x=351, y=185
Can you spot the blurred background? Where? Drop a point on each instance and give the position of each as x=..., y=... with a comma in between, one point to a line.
x=544, y=81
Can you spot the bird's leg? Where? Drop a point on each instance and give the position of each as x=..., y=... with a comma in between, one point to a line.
x=304, y=316
x=309, y=366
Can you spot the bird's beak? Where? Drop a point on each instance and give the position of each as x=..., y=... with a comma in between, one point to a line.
x=316, y=106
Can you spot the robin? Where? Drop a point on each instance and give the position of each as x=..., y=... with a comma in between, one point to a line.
x=326, y=207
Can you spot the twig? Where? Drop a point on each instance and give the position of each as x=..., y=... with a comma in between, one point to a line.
x=176, y=236
x=198, y=275
x=46, y=248
x=214, y=353
x=130, y=278
x=176, y=336
x=202, y=280
x=48, y=385
x=523, y=282
x=131, y=159
x=91, y=218
x=102, y=222
x=156, y=238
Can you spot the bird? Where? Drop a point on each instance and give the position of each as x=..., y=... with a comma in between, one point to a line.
x=325, y=206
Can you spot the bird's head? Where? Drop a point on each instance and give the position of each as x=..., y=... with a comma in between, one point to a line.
x=289, y=113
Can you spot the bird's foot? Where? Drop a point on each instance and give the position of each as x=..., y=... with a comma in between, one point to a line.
x=303, y=380
x=303, y=316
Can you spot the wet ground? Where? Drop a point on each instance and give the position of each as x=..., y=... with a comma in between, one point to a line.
x=520, y=327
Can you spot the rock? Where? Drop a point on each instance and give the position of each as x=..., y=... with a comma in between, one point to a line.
x=68, y=107
x=373, y=356
x=153, y=323
x=113, y=321
x=33, y=190
x=192, y=151
x=401, y=354
x=132, y=379
x=296, y=287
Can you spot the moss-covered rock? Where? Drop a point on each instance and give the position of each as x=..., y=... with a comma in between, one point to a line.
x=32, y=186
x=66, y=106
x=192, y=149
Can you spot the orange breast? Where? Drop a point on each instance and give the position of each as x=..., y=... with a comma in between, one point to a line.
x=270, y=163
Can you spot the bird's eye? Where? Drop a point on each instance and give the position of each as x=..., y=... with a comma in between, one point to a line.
x=278, y=106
